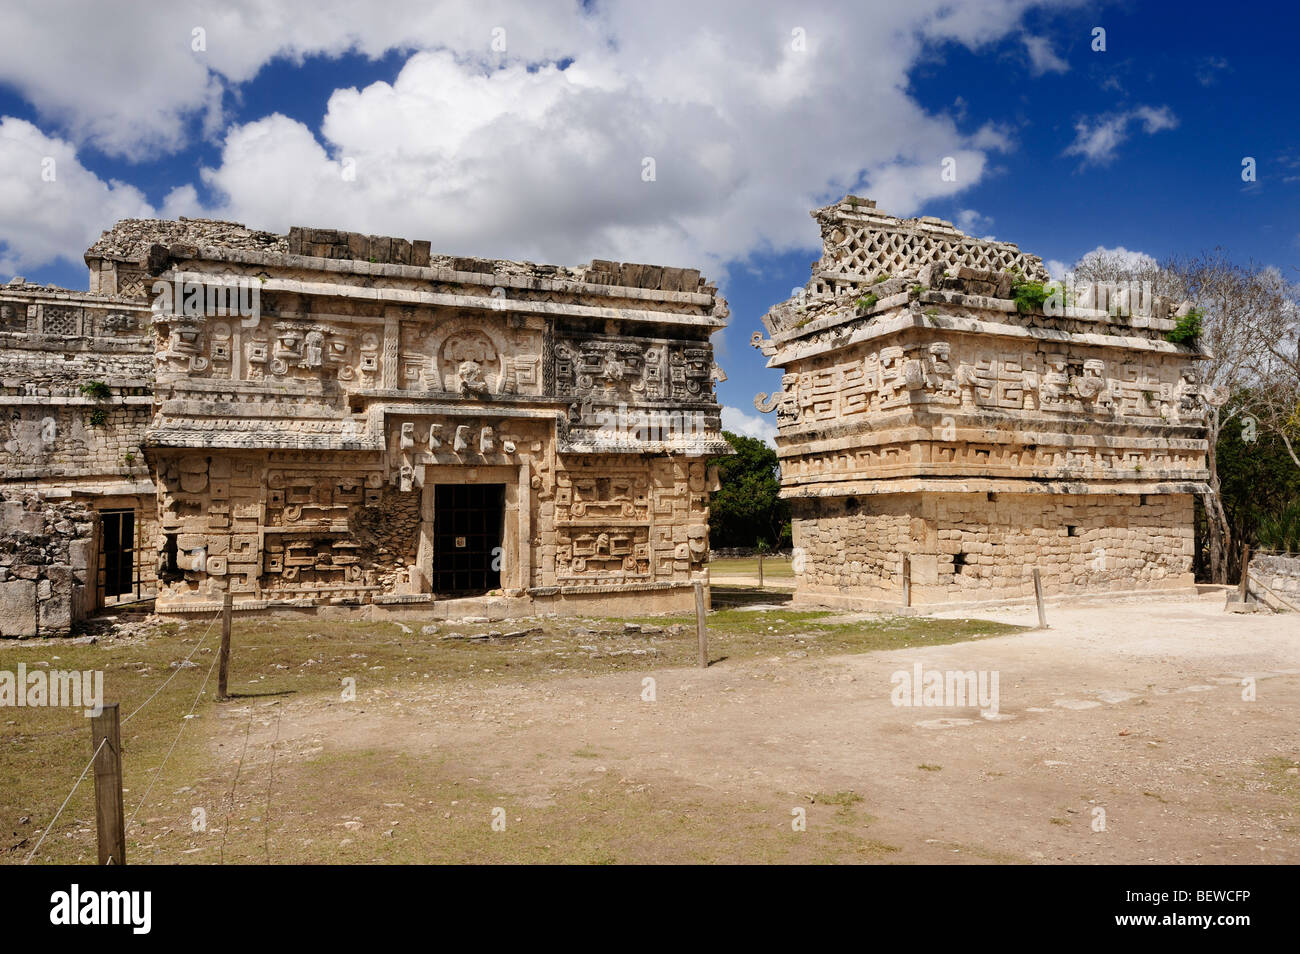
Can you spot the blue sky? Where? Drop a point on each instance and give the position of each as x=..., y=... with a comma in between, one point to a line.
x=519, y=130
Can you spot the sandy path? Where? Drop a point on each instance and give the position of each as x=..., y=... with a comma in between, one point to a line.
x=1133, y=707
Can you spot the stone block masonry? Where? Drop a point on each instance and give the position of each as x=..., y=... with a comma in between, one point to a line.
x=303, y=454
x=47, y=564
x=928, y=412
x=1275, y=580
x=295, y=453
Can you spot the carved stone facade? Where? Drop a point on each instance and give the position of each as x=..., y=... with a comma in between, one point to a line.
x=328, y=420
x=76, y=379
x=299, y=451
x=923, y=414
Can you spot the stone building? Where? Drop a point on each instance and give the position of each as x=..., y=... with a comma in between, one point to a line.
x=329, y=419
x=76, y=372
x=935, y=415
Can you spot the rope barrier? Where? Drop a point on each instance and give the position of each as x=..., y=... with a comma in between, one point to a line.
x=158, y=771
x=202, y=639
x=266, y=828
x=68, y=799
x=225, y=826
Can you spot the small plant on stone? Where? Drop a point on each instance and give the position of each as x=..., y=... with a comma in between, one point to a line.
x=1187, y=329
x=1031, y=296
x=98, y=417
x=880, y=278
x=97, y=390
x=867, y=303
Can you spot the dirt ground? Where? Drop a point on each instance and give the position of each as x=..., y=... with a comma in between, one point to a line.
x=1133, y=707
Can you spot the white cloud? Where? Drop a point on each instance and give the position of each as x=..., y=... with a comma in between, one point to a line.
x=1098, y=139
x=130, y=81
x=1155, y=120
x=973, y=223
x=1042, y=58
x=1056, y=268
x=504, y=153
x=50, y=205
x=748, y=425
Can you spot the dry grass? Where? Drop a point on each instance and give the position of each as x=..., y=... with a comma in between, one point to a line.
x=438, y=814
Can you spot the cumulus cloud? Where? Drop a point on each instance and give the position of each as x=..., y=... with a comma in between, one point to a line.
x=528, y=130
x=50, y=205
x=135, y=82
x=748, y=425
x=1097, y=139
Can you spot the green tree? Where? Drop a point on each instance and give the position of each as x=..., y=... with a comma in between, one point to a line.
x=1260, y=482
x=748, y=507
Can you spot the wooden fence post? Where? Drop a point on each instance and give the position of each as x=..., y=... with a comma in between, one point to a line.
x=760, y=569
x=1245, y=573
x=700, y=632
x=227, y=606
x=110, y=826
x=1038, y=597
x=907, y=579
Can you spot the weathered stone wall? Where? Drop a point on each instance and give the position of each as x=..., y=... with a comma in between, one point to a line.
x=619, y=521
x=47, y=561
x=1275, y=579
x=987, y=549
x=923, y=382
x=76, y=376
x=967, y=547
x=76, y=395
x=289, y=452
x=850, y=544
x=298, y=447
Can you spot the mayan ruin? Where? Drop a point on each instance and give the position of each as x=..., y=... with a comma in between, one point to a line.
x=928, y=418
x=331, y=420
x=604, y=433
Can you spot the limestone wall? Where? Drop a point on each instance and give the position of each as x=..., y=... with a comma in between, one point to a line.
x=967, y=547
x=76, y=387
x=1275, y=579
x=938, y=403
x=299, y=444
x=47, y=561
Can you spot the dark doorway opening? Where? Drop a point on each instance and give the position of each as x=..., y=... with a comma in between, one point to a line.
x=467, y=521
x=117, y=553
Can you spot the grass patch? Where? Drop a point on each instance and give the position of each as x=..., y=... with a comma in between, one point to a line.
x=388, y=807
x=42, y=750
x=774, y=568
x=840, y=799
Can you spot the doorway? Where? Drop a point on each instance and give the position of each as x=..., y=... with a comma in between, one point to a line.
x=467, y=551
x=116, y=554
